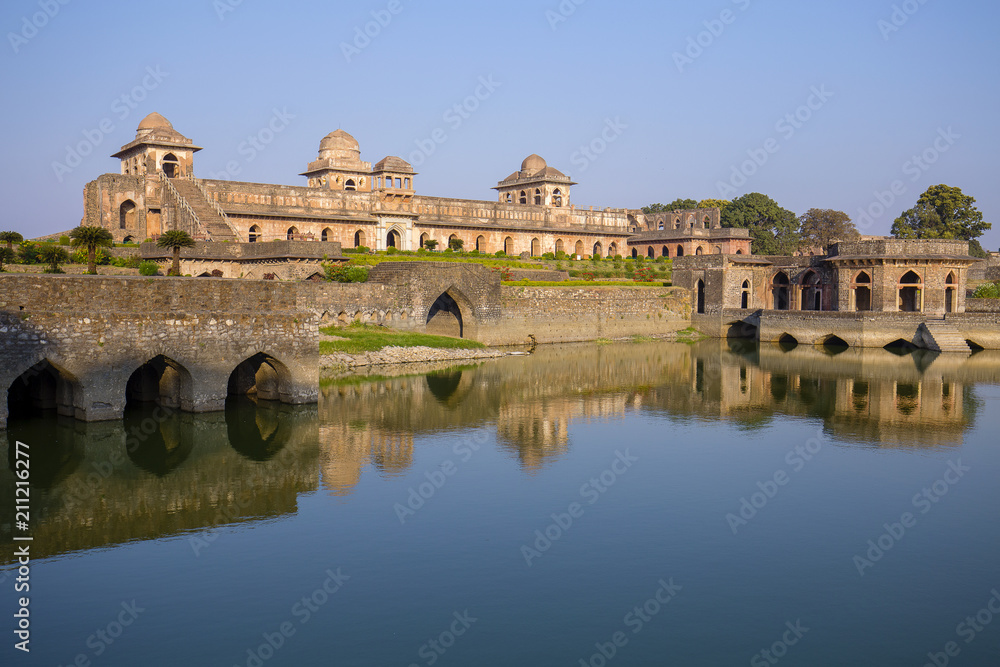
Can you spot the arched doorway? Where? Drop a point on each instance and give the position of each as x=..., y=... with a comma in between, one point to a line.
x=700, y=287
x=445, y=317
x=481, y=243
x=779, y=291
x=557, y=197
x=698, y=251
x=579, y=248
x=424, y=238
x=812, y=291
x=393, y=239
x=680, y=251
x=326, y=235
x=665, y=252
x=745, y=295
x=261, y=377
x=613, y=250
x=560, y=247
x=950, y=293
x=126, y=214
x=253, y=236
x=598, y=250
x=508, y=246
x=911, y=293
x=862, y=287
x=651, y=252
x=161, y=381
x=42, y=388
x=292, y=233
x=536, y=248
x=359, y=239
x=635, y=253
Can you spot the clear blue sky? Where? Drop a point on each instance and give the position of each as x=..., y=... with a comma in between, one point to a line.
x=677, y=129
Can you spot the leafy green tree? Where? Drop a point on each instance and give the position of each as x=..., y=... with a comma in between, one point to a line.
x=456, y=244
x=175, y=239
x=823, y=226
x=773, y=230
x=91, y=238
x=942, y=212
x=675, y=205
x=430, y=244
x=976, y=250
x=53, y=255
x=720, y=204
x=10, y=238
x=6, y=257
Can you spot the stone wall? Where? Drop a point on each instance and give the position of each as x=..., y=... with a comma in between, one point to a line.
x=982, y=305
x=564, y=314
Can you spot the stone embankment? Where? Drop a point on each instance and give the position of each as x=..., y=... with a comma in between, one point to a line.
x=407, y=355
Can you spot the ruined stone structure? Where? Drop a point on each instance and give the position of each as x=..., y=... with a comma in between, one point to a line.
x=345, y=200
x=688, y=232
x=276, y=260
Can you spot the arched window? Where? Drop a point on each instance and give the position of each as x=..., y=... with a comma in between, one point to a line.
x=327, y=234
x=700, y=296
x=950, y=293
x=698, y=251
x=665, y=251
x=509, y=198
x=557, y=197
x=779, y=290
x=350, y=184
x=170, y=166
x=812, y=291
x=538, y=196
x=635, y=253
x=677, y=223
x=680, y=251
x=718, y=250
x=650, y=252
x=126, y=214
x=745, y=296
x=291, y=233
x=862, y=288
x=739, y=251
x=359, y=238
x=911, y=298
x=523, y=197
x=660, y=228
x=254, y=235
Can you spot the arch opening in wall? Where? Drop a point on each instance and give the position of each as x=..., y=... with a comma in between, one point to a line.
x=745, y=295
x=900, y=346
x=43, y=388
x=677, y=224
x=950, y=293
x=481, y=243
x=833, y=344
x=349, y=184
x=787, y=342
x=445, y=317
x=739, y=251
x=508, y=198
x=635, y=253
x=598, y=250
x=665, y=251
x=393, y=239
x=424, y=238
x=718, y=250
x=128, y=239
x=699, y=251
x=508, y=246
x=651, y=252
x=579, y=248
x=326, y=235
x=780, y=291
x=861, y=285
x=613, y=250
x=538, y=197
x=680, y=251
x=812, y=291
x=536, y=248
x=557, y=199
x=126, y=215
x=171, y=168
x=974, y=346
x=261, y=377
x=291, y=233
x=700, y=296
x=254, y=236
x=359, y=239
x=523, y=197
x=910, y=293
x=160, y=381
x=560, y=246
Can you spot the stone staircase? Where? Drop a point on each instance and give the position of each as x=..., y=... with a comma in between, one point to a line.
x=940, y=336
x=210, y=215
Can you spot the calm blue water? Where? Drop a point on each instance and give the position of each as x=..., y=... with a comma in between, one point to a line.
x=661, y=504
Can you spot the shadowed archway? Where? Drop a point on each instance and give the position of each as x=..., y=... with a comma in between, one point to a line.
x=445, y=317
x=160, y=381
x=41, y=389
x=261, y=377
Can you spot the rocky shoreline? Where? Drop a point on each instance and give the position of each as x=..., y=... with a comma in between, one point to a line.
x=410, y=355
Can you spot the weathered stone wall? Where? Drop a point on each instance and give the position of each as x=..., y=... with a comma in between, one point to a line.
x=529, y=274
x=982, y=305
x=564, y=314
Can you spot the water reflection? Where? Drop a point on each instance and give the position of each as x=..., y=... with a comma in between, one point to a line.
x=161, y=440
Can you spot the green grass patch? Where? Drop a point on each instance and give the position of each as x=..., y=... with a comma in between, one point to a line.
x=368, y=338
x=583, y=283
x=373, y=260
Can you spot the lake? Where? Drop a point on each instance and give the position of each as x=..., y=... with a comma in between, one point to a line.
x=643, y=503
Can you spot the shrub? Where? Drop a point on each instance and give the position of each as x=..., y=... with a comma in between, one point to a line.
x=392, y=251
x=343, y=273
x=548, y=255
x=27, y=253
x=987, y=291
x=643, y=275
x=53, y=255
x=499, y=253
x=360, y=250
x=216, y=273
x=474, y=253
x=130, y=262
x=505, y=273
x=148, y=269
x=64, y=240
x=449, y=251
x=561, y=255
x=80, y=257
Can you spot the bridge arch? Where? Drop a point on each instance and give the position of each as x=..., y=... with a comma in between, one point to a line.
x=263, y=377
x=162, y=381
x=43, y=387
x=448, y=314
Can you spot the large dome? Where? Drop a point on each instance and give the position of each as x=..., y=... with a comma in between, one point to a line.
x=154, y=121
x=339, y=144
x=532, y=164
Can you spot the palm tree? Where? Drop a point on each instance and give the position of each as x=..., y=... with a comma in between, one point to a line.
x=430, y=244
x=175, y=239
x=10, y=238
x=91, y=237
x=54, y=255
x=6, y=257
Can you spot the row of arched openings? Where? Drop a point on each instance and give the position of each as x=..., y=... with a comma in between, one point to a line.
x=812, y=292
x=677, y=251
x=537, y=197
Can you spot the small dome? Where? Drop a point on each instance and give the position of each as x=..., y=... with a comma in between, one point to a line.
x=339, y=144
x=393, y=163
x=154, y=121
x=533, y=164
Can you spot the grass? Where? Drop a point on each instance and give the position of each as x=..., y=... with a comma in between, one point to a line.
x=583, y=283
x=367, y=338
x=484, y=260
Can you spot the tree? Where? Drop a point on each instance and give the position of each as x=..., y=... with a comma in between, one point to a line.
x=977, y=250
x=91, y=238
x=53, y=255
x=823, y=226
x=720, y=204
x=675, y=205
x=430, y=244
x=6, y=257
x=175, y=239
x=10, y=238
x=774, y=230
x=942, y=212
x=456, y=244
